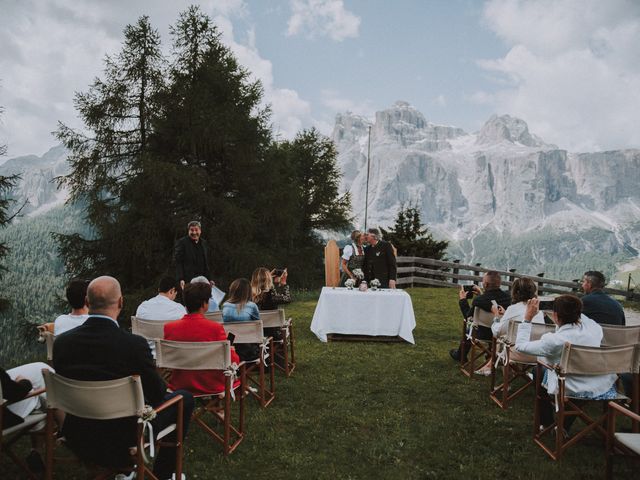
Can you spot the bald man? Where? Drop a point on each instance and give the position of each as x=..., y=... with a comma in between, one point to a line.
x=100, y=350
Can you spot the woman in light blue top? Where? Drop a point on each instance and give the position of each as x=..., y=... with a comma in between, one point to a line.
x=238, y=307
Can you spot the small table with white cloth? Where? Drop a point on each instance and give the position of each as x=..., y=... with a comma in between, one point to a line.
x=385, y=312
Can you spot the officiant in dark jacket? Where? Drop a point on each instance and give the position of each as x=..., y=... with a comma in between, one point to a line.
x=191, y=255
x=379, y=260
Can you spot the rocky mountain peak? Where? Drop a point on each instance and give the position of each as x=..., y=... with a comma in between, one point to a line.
x=507, y=128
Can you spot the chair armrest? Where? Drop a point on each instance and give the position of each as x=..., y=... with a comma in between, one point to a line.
x=545, y=365
x=169, y=403
x=32, y=393
x=623, y=411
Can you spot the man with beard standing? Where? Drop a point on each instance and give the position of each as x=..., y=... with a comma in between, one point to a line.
x=191, y=255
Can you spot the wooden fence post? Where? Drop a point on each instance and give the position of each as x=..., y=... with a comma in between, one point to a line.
x=577, y=282
x=455, y=272
x=476, y=273
x=540, y=284
x=511, y=277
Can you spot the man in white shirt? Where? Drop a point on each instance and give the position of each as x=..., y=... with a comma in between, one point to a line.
x=163, y=306
x=77, y=298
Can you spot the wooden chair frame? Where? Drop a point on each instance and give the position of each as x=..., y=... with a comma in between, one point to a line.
x=283, y=349
x=480, y=349
x=251, y=332
x=55, y=382
x=513, y=370
x=614, y=446
x=567, y=406
x=10, y=436
x=218, y=405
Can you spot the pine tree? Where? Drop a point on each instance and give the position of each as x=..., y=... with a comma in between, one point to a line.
x=110, y=163
x=411, y=238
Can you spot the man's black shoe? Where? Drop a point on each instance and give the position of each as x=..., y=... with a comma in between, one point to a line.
x=34, y=462
x=455, y=354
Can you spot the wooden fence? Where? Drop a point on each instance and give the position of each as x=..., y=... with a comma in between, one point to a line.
x=415, y=271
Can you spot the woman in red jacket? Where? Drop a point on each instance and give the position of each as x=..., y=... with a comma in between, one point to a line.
x=194, y=327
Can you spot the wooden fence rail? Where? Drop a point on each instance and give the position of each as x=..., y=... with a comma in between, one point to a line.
x=428, y=271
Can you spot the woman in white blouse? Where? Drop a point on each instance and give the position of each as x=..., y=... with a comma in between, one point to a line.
x=572, y=327
x=352, y=257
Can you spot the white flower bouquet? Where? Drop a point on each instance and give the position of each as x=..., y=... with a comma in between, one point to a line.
x=358, y=273
x=375, y=284
x=350, y=283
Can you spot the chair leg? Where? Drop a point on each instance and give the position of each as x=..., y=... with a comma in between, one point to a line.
x=49, y=445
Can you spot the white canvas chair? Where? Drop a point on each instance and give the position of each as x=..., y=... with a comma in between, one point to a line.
x=514, y=365
x=10, y=435
x=252, y=333
x=152, y=330
x=613, y=335
x=479, y=350
x=283, y=349
x=579, y=360
x=107, y=400
x=215, y=355
x=215, y=316
x=618, y=443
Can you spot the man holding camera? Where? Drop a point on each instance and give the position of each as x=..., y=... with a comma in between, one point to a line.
x=482, y=298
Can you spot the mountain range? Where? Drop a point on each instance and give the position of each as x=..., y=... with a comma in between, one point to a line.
x=501, y=195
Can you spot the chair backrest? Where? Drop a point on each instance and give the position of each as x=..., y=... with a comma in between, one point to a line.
x=99, y=400
x=149, y=329
x=613, y=335
x=245, y=332
x=537, y=329
x=482, y=317
x=193, y=355
x=215, y=316
x=49, y=338
x=579, y=360
x=272, y=318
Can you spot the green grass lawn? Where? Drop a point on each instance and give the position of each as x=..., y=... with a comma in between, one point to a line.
x=372, y=410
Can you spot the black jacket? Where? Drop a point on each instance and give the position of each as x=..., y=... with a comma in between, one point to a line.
x=100, y=350
x=380, y=263
x=483, y=301
x=600, y=307
x=13, y=391
x=189, y=263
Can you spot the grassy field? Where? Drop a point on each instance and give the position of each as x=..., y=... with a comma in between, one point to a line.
x=378, y=411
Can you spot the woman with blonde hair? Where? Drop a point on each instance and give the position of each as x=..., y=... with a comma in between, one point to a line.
x=264, y=290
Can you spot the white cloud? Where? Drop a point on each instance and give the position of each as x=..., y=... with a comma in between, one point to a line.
x=572, y=71
x=322, y=18
x=290, y=113
x=440, y=101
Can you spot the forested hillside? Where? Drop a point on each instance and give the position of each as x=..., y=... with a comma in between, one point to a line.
x=34, y=281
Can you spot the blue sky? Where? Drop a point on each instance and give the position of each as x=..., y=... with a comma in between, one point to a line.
x=569, y=68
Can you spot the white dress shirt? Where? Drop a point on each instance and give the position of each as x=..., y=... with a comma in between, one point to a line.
x=160, y=308
x=513, y=311
x=66, y=322
x=586, y=333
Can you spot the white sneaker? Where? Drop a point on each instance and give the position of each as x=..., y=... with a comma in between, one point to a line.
x=182, y=476
x=122, y=476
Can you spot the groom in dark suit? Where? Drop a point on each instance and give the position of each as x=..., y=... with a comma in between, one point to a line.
x=379, y=260
x=100, y=350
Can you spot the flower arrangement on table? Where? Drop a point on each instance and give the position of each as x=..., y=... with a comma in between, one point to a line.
x=375, y=284
x=359, y=274
x=350, y=283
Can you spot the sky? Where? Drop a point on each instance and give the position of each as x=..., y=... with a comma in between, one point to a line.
x=569, y=68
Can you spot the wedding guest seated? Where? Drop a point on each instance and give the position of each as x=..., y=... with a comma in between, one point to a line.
x=238, y=307
x=213, y=305
x=77, y=298
x=268, y=289
x=522, y=290
x=352, y=257
x=596, y=304
x=573, y=327
x=100, y=350
x=194, y=327
x=491, y=283
x=17, y=383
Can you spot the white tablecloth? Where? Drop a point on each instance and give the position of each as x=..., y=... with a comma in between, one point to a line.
x=384, y=312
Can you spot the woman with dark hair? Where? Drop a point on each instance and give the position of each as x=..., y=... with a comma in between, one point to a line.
x=572, y=327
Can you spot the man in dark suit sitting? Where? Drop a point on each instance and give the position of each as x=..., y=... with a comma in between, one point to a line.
x=379, y=260
x=100, y=350
x=596, y=304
